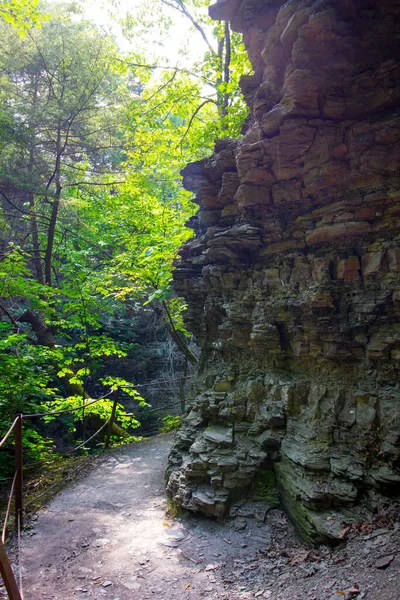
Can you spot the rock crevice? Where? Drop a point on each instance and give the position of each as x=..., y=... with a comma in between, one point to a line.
x=292, y=279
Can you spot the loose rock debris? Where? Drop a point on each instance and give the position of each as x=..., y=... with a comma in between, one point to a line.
x=138, y=553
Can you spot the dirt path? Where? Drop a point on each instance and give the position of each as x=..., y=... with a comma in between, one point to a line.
x=108, y=537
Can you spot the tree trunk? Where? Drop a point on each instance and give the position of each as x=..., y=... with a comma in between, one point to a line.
x=50, y=241
x=220, y=95
x=45, y=335
x=37, y=255
x=163, y=313
x=54, y=211
x=224, y=56
x=227, y=63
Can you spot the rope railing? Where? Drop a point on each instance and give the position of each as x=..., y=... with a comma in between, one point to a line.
x=55, y=484
x=16, y=491
x=158, y=409
x=4, y=439
x=91, y=437
x=151, y=383
x=10, y=496
x=66, y=410
x=14, y=592
x=67, y=452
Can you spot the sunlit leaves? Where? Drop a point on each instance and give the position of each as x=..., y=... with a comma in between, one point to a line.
x=21, y=14
x=127, y=128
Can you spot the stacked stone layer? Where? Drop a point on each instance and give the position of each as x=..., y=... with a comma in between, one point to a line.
x=292, y=279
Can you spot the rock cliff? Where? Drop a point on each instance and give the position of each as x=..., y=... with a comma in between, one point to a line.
x=292, y=279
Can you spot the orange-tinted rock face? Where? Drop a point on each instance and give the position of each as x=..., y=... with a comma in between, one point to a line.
x=292, y=280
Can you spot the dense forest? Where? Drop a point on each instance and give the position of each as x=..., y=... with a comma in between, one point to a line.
x=96, y=123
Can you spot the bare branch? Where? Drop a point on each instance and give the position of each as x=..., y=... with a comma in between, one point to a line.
x=227, y=64
x=151, y=67
x=198, y=109
x=180, y=7
x=109, y=183
x=14, y=323
x=160, y=89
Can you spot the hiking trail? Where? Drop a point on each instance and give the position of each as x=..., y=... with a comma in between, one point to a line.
x=108, y=536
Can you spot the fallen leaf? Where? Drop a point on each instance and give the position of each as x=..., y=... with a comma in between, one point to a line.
x=354, y=590
x=187, y=586
x=343, y=533
x=300, y=557
x=340, y=592
x=166, y=524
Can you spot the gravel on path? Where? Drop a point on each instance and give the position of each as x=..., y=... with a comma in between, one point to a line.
x=108, y=536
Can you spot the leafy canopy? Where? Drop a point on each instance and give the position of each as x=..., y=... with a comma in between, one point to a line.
x=92, y=210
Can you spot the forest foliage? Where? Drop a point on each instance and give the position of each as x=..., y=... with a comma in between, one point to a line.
x=92, y=211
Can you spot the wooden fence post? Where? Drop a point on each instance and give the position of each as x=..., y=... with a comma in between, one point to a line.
x=111, y=421
x=8, y=575
x=18, y=467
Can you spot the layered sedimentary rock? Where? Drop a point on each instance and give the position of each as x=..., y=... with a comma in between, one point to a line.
x=292, y=279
